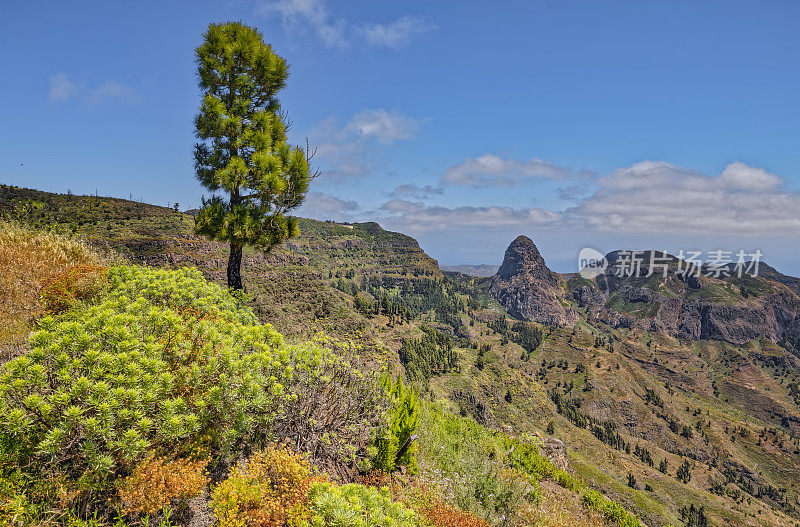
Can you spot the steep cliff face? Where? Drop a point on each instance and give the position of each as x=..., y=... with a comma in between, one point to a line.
x=772, y=318
x=732, y=309
x=528, y=289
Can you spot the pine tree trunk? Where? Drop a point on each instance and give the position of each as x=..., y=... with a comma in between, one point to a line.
x=235, y=266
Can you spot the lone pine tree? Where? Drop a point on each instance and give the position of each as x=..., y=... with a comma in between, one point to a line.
x=242, y=150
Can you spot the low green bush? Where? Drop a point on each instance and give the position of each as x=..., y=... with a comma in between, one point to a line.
x=611, y=510
x=525, y=457
x=166, y=362
x=355, y=505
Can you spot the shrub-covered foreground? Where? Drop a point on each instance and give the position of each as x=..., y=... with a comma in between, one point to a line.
x=162, y=388
x=498, y=477
x=166, y=364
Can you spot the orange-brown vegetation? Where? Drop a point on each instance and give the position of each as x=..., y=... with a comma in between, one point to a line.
x=39, y=272
x=157, y=483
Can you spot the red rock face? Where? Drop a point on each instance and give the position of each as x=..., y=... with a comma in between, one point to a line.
x=528, y=289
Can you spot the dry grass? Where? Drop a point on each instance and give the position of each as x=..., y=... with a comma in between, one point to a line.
x=33, y=264
x=561, y=508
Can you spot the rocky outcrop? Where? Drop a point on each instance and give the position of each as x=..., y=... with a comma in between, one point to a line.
x=615, y=319
x=528, y=289
x=556, y=451
x=588, y=296
x=683, y=303
x=774, y=317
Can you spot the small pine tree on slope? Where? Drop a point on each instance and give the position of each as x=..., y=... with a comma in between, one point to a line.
x=403, y=421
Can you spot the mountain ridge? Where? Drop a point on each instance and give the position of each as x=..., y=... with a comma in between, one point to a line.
x=683, y=304
x=479, y=270
x=726, y=409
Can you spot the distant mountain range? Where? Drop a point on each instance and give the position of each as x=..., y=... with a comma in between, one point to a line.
x=696, y=306
x=482, y=270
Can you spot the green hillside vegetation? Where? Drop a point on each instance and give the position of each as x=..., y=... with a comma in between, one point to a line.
x=134, y=403
x=671, y=431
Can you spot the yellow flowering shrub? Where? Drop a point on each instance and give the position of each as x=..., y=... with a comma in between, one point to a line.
x=271, y=490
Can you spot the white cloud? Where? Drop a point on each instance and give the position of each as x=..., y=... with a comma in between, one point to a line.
x=297, y=13
x=655, y=197
x=324, y=206
x=651, y=204
x=648, y=198
x=744, y=177
x=412, y=190
x=417, y=217
x=646, y=205
x=112, y=90
x=398, y=33
x=62, y=88
x=491, y=170
x=384, y=126
x=351, y=151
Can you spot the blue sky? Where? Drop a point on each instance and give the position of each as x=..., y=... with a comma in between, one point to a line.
x=669, y=125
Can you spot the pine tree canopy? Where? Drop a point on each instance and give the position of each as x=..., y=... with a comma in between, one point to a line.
x=243, y=151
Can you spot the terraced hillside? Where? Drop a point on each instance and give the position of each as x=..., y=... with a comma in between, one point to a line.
x=664, y=424
x=290, y=286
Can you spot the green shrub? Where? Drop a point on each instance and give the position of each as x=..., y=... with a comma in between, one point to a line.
x=568, y=481
x=168, y=364
x=165, y=363
x=403, y=419
x=527, y=458
x=355, y=505
x=611, y=510
x=466, y=461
